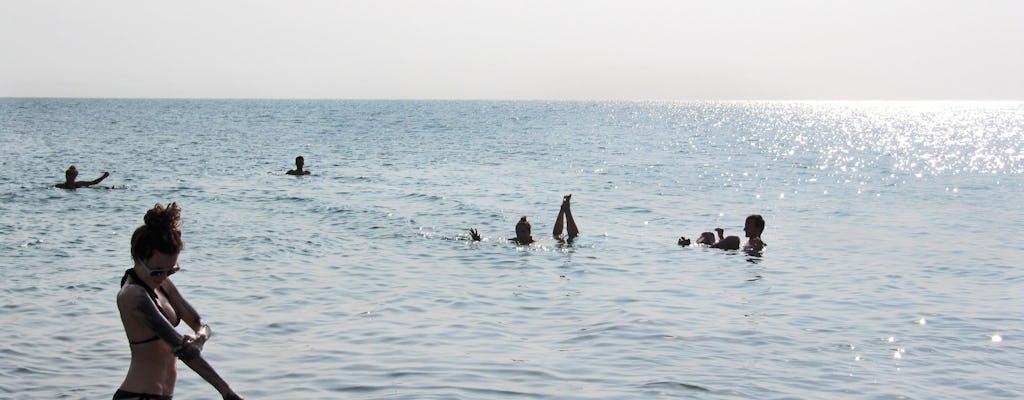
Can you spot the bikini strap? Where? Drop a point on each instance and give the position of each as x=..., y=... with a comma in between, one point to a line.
x=130, y=273
x=152, y=339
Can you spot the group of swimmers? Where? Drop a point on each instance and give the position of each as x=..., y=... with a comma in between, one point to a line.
x=524, y=229
x=148, y=301
x=752, y=228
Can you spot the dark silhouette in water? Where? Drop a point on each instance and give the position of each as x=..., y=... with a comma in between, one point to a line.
x=565, y=213
x=752, y=228
x=524, y=229
x=72, y=173
x=299, y=162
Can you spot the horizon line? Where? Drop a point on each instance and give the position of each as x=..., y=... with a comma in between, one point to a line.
x=566, y=100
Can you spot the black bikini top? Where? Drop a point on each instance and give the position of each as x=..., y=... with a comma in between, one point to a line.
x=130, y=273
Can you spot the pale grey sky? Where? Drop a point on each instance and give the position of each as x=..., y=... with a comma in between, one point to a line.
x=515, y=49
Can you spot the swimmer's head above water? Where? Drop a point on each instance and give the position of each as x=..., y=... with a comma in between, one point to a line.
x=523, y=231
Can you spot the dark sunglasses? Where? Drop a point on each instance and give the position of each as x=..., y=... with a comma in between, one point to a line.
x=156, y=273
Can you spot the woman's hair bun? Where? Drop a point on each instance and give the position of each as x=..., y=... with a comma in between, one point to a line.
x=162, y=217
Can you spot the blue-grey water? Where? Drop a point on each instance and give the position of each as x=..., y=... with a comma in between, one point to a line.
x=892, y=268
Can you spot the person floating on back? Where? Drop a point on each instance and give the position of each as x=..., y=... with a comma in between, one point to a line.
x=524, y=229
x=299, y=161
x=705, y=238
x=72, y=173
x=752, y=228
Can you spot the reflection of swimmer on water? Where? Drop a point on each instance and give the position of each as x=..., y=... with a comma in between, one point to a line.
x=72, y=173
x=299, y=162
x=752, y=228
x=524, y=229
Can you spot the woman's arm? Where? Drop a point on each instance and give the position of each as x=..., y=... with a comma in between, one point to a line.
x=197, y=363
x=185, y=310
x=190, y=348
x=93, y=182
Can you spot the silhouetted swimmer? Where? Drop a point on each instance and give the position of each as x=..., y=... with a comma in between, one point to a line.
x=565, y=213
x=72, y=173
x=705, y=238
x=726, y=242
x=523, y=232
x=752, y=228
x=299, y=162
x=524, y=229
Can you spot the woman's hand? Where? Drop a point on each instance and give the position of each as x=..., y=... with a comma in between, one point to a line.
x=202, y=335
x=199, y=341
x=189, y=348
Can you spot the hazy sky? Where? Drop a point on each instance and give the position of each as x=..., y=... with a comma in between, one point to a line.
x=514, y=49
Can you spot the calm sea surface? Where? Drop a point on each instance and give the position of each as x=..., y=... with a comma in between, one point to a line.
x=893, y=266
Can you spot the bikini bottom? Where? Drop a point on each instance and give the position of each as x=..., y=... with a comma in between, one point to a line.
x=121, y=394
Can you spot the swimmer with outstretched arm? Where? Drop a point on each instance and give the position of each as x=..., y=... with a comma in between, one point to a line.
x=72, y=173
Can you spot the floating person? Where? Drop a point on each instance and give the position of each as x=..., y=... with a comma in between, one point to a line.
x=72, y=173
x=299, y=162
x=753, y=226
x=705, y=238
x=148, y=303
x=524, y=229
x=726, y=242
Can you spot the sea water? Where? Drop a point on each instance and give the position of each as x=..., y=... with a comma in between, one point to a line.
x=892, y=268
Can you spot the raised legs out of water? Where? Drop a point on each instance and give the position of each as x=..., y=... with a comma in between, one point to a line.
x=563, y=222
x=565, y=215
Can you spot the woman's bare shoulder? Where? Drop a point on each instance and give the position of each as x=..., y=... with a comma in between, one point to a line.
x=131, y=295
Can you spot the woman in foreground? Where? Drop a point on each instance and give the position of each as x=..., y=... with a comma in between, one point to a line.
x=151, y=306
